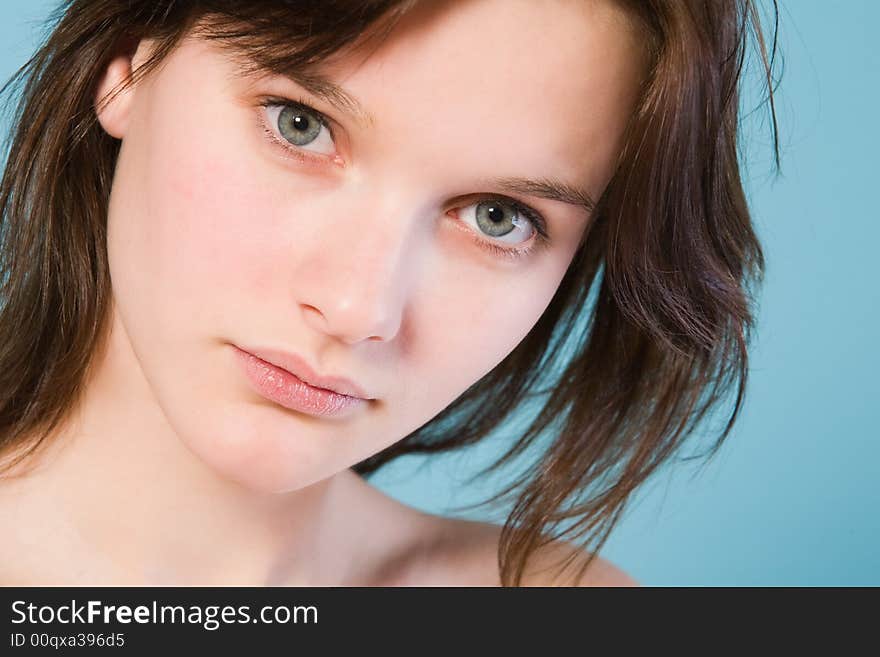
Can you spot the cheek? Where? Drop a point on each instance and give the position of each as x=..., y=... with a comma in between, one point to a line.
x=199, y=231
x=466, y=327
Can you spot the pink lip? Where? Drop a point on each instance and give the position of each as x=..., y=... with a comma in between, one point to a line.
x=287, y=380
x=301, y=370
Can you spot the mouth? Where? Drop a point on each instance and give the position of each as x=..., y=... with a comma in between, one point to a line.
x=286, y=388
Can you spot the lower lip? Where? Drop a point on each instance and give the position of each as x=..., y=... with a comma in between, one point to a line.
x=282, y=387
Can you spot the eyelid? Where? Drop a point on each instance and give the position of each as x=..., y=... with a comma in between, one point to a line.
x=299, y=103
x=291, y=149
x=535, y=217
x=540, y=240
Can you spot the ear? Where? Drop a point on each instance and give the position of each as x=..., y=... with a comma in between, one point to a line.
x=113, y=113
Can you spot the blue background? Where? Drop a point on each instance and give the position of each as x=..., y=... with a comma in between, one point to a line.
x=792, y=498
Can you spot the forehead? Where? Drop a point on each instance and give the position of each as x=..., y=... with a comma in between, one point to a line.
x=556, y=77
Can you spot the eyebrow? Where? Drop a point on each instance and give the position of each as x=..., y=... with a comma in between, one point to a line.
x=331, y=93
x=554, y=190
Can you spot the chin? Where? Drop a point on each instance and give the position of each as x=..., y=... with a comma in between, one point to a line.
x=260, y=450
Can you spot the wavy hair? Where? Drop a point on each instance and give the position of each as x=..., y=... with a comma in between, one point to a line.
x=646, y=335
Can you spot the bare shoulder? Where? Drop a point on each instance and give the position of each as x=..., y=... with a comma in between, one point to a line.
x=414, y=548
x=563, y=564
x=465, y=553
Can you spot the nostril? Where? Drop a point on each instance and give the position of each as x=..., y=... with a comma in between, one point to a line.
x=314, y=316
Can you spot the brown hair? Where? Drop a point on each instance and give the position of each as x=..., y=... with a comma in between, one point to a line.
x=645, y=336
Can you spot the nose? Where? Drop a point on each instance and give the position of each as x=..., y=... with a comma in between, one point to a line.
x=352, y=283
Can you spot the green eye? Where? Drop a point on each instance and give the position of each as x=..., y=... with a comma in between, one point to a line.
x=298, y=125
x=512, y=227
x=496, y=219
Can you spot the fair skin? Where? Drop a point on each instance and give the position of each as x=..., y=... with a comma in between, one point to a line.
x=364, y=260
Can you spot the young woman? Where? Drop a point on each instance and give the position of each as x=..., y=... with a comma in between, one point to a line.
x=252, y=251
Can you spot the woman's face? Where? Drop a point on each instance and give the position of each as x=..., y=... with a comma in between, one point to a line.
x=382, y=247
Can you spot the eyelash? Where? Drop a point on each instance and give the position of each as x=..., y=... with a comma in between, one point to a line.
x=290, y=149
x=540, y=241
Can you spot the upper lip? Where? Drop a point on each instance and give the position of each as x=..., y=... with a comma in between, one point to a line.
x=298, y=366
